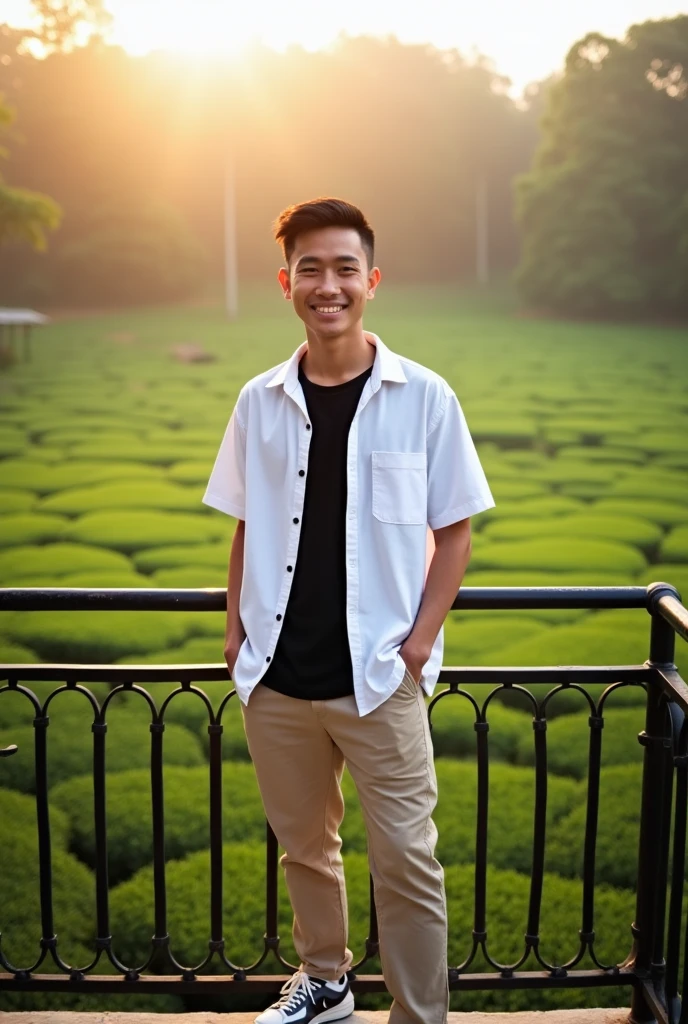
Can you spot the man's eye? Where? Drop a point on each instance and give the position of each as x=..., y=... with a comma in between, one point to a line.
x=348, y=270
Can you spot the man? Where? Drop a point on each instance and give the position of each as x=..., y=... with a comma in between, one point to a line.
x=335, y=464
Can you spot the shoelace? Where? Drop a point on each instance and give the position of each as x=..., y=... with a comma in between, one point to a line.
x=295, y=991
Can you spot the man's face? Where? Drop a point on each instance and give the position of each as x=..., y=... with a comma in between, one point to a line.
x=329, y=280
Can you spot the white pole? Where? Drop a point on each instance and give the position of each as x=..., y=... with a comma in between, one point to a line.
x=482, y=258
x=231, y=263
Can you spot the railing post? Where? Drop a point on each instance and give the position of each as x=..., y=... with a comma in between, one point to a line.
x=647, y=953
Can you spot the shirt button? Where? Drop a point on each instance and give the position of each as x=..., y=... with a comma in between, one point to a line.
x=302, y=472
x=289, y=568
x=308, y=426
x=268, y=658
x=278, y=617
x=295, y=520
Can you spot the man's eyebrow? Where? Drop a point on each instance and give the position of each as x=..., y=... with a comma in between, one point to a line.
x=316, y=259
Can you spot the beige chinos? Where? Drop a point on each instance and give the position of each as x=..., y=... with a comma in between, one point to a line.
x=299, y=748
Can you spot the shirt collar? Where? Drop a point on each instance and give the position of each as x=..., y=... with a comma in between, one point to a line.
x=387, y=366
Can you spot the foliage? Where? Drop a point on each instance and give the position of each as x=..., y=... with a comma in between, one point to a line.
x=130, y=531
x=568, y=739
x=94, y=636
x=17, y=708
x=616, y=859
x=675, y=546
x=604, y=234
x=132, y=494
x=24, y=215
x=70, y=747
x=454, y=735
x=141, y=251
x=552, y=554
x=666, y=513
x=73, y=906
x=20, y=564
x=638, y=532
x=181, y=555
x=20, y=810
x=31, y=474
x=132, y=919
x=30, y=528
x=16, y=501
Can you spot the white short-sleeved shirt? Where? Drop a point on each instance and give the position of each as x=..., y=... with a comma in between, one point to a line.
x=411, y=464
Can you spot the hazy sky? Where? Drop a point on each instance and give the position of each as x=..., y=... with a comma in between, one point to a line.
x=527, y=39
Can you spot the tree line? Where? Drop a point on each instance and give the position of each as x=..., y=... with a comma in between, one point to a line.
x=585, y=184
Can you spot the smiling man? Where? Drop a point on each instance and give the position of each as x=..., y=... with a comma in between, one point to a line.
x=336, y=464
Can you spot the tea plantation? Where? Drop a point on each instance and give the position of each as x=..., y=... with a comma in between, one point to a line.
x=106, y=443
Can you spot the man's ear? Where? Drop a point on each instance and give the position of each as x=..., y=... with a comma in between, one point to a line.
x=373, y=281
x=283, y=278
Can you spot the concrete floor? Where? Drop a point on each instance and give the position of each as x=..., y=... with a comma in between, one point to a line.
x=549, y=1017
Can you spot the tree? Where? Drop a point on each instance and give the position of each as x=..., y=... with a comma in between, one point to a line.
x=23, y=214
x=604, y=210
x=62, y=21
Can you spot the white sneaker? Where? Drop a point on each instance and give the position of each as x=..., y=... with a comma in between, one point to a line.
x=310, y=1001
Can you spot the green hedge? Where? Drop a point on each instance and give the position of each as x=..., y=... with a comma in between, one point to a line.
x=132, y=919
x=537, y=508
x=675, y=546
x=94, y=636
x=139, y=494
x=454, y=735
x=74, y=915
x=514, y=489
x=31, y=475
x=652, y=485
x=605, y=453
x=70, y=748
x=187, y=816
x=552, y=555
x=676, y=574
x=191, y=472
x=159, y=454
x=58, y=560
x=191, y=576
x=616, y=861
x=19, y=809
x=131, y=531
x=464, y=638
x=30, y=528
x=568, y=739
x=181, y=555
x=17, y=708
x=666, y=513
x=635, y=531
x=16, y=501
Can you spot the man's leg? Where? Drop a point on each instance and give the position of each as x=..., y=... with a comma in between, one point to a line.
x=389, y=755
x=299, y=769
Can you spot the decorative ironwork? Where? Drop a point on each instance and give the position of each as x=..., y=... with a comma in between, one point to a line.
x=653, y=963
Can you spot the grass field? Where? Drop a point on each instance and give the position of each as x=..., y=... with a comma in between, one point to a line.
x=106, y=443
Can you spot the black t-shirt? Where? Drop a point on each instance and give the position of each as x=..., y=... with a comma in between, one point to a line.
x=312, y=659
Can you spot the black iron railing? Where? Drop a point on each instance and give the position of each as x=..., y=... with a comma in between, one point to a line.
x=651, y=968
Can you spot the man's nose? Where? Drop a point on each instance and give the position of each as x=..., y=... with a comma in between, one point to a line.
x=328, y=284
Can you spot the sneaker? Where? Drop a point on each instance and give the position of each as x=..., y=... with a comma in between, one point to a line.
x=310, y=1001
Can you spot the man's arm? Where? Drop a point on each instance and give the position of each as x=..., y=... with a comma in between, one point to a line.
x=235, y=632
x=447, y=569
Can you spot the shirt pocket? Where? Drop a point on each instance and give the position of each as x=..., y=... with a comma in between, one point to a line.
x=400, y=488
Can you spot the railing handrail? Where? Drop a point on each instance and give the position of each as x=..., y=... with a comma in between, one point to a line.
x=214, y=598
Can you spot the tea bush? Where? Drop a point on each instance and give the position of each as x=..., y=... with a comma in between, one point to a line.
x=32, y=475
x=73, y=907
x=616, y=858
x=675, y=546
x=132, y=919
x=129, y=531
x=552, y=555
x=181, y=555
x=666, y=513
x=16, y=501
x=57, y=560
x=139, y=494
x=568, y=739
x=70, y=748
x=94, y=636
x=30, y=528
x=638, y=532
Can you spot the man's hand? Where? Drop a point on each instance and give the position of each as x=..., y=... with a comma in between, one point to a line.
x=414, y=656
x=232, y=645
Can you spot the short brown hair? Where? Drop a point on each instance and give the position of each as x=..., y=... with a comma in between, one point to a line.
x=322, y=213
